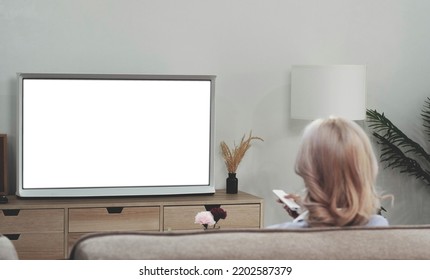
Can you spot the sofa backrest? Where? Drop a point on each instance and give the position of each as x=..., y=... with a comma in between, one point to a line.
x=7, y=249
x=401, y=242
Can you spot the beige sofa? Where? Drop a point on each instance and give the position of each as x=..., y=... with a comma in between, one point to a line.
x=396, y=242
x=7, y=250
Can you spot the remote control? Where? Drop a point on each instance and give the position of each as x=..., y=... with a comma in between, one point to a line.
x=289, y=202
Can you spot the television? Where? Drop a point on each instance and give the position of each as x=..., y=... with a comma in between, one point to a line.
x=88, y=135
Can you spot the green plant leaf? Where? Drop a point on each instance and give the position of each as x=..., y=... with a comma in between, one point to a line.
x=425, y=114
x=396, y=146
x=386, y=129
x=395, y=158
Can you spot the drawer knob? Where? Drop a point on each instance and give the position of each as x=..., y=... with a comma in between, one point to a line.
x=114, y=210
x=11, y=212
x=209, y=207
x=12, y=236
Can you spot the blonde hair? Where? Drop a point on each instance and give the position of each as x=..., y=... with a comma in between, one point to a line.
x=339, y=168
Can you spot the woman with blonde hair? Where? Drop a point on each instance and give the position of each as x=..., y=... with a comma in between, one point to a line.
x=339, y=169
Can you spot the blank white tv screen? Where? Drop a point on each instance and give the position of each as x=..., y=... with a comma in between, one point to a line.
x=116, y=136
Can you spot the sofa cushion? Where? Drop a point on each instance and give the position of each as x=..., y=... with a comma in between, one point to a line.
x=7, y=249
x=401, y=242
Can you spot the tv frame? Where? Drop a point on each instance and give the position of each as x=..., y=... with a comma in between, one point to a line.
x=102, y=191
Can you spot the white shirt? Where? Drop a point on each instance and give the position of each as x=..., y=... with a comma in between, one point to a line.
x=300, y=222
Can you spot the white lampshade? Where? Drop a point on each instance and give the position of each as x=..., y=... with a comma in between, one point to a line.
x=320, y=91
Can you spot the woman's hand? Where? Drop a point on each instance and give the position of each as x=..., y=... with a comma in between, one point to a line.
x=297, y=199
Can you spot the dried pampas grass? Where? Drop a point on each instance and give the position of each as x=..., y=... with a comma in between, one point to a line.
x=233, y=157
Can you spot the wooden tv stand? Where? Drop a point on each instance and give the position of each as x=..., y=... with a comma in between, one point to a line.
x=48, y=228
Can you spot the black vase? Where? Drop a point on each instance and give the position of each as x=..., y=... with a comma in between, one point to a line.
x=231, y=183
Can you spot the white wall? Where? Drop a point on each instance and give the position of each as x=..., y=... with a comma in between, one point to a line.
x=250, y=45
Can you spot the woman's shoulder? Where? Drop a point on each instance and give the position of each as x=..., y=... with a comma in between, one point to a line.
x=290, y=225
x=298, y=222
x=377, y=221
x=374, y=221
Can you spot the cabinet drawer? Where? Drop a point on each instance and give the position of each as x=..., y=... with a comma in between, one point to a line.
x=38, y=246
x=114, y=219
x=72, y=238
x=33, y=220
x=238, y=216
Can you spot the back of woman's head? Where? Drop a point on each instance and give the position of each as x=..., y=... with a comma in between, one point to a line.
x=339, y=168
